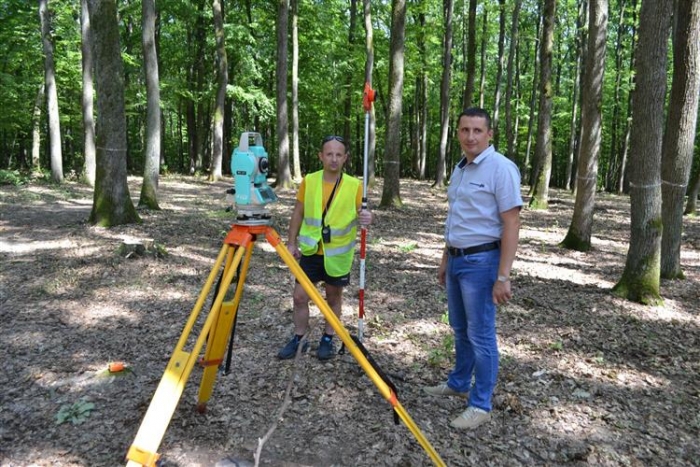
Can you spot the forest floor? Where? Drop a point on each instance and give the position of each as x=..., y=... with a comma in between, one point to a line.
x=586, y=378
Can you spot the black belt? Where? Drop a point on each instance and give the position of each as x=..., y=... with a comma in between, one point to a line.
x=473, y=249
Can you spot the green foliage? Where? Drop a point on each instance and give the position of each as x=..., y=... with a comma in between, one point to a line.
x=408, y=247
x=557, y=345
x=331, y=70
x=441, y=355
x=75, y=413
x=13, y=177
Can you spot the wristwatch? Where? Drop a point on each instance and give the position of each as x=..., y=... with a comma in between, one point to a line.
x=503, y=279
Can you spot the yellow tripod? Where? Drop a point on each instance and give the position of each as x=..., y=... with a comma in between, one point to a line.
x=237, y=248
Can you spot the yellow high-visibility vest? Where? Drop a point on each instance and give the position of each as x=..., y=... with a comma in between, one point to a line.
x=341, y=217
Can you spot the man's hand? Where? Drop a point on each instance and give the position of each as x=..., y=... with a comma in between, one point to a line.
x=364, y=217
x=442, y=270
x=502, y=292
x=294, y=250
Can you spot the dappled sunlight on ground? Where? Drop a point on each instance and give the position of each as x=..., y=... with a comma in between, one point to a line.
x=585, y=377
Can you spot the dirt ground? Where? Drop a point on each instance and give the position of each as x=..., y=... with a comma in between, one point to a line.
x=586, y=378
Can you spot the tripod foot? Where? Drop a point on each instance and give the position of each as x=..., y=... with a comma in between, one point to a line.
x=202, y=407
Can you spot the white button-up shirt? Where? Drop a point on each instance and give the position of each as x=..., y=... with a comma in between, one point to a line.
x=478, y=192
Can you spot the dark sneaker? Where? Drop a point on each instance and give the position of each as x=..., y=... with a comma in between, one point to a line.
x=290, y=350
x=326, y=350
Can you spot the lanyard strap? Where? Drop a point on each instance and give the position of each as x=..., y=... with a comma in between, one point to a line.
x=325, y=210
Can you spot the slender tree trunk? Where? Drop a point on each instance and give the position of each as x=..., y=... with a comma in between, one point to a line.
x=284, y=177
x=392, y=154
x=573, y=127
x=87, y=95
x=149, y=187
x=580, y=230
x=221, y=84
x=482, y=54
x=510, y=70
x=420, y=100
x=194, y=110
x=296, y=160
x=542, y=170
x=679, y=138
x=471, y=56
x=526, y=168
x=499, y=73
x=691, y=206
x=56, y=156
x=447, y=8
x=622, y=181
x=36, y=128
x=641, y=276
x=347, y=117
x=424, y=128
x=615, y=154
x=111, y=203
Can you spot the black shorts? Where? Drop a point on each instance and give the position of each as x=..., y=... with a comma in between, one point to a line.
x=315, y=270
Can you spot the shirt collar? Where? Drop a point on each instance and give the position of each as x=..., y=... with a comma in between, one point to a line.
x=478, y=159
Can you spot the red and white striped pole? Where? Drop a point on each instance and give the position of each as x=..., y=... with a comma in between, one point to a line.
x=367, y=100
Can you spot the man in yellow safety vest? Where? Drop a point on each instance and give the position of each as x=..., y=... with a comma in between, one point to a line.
x=322, y=234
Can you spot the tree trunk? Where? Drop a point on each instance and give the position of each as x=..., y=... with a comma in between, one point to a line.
x=151, y=169
x=296, y=160
x=284, y=176
x=510, y=70
x=542, y=169
x=347, y=115
x=221, y=84
x=525, y=167
x=622, y=181
x=471, y=56
x=482, y=55
x=424, y=127
x=579, y=235
x=614, y=160
x=693, y=196
x=87, y=96
x=36, y=128
x=499, y=73
x=440, y=176
x=369, y=66
x=641, y=276
x=195, y=133
x=679, y=138
x=111, y=202
x=573, y=127
x=56, y=156
x=420, y=99
x=392, y=152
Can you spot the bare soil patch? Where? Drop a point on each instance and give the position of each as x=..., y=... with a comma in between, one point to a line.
x=586, y=378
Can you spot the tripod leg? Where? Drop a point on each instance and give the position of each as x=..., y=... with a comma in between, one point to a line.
x=221, y=329
x=384, y=389
x=144, y=449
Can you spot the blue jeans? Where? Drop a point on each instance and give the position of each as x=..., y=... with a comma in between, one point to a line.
x=472, y=314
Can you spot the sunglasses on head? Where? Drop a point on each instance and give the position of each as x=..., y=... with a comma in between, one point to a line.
x=332, y=138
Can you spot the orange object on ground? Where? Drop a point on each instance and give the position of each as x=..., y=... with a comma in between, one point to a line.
x=116, y=367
